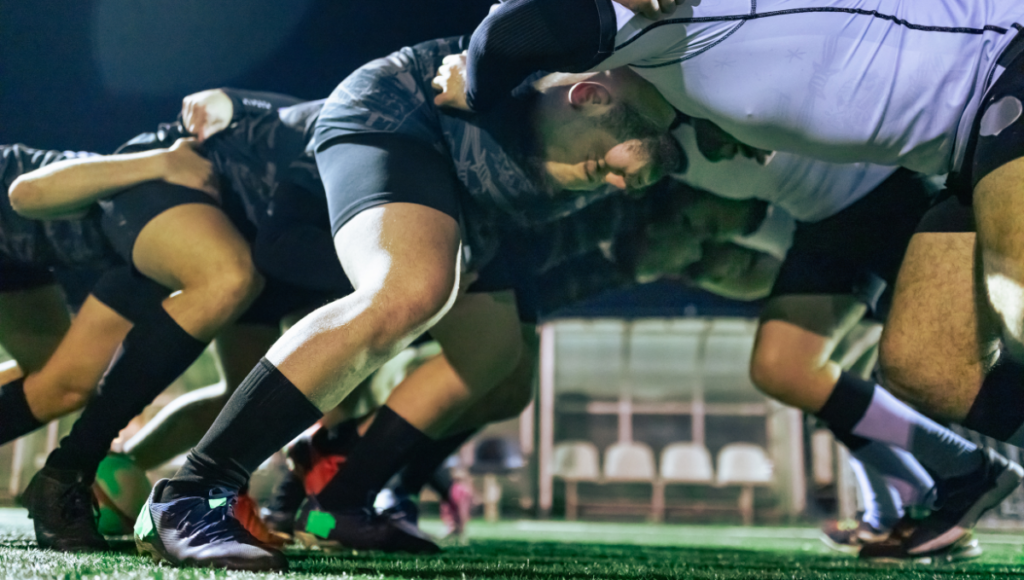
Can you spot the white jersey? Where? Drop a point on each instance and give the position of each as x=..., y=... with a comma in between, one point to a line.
x=892, y=82
x=774, y=236
x=808, y=189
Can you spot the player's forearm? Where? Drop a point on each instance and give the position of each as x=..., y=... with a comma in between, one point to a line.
x=65, y=188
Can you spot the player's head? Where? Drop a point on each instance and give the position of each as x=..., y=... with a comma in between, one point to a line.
x=609, y=127
x=684, y=219
x=715, y=144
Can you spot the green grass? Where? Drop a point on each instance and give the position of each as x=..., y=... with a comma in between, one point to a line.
x=542, y=550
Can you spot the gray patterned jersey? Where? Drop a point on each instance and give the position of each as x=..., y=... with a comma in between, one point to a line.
x=393, y=95
x=259, y=151
x=75, y=243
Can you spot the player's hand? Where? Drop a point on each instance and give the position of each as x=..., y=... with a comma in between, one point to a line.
x=450, y=82
x=183, y=165
x=653, y=9
x=206, y=113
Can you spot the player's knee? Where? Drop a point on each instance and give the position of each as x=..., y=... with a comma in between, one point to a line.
x=235, y=286
x=770, y=370
x=404, y=309
x=71, y=396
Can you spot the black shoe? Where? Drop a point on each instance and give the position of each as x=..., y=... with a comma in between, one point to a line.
x=849, y=536
x=280, y=514
x=201, y=531
x=359, y=529
x=403, y=509
x=893, y=550
x=962, y=501
x=64, y=511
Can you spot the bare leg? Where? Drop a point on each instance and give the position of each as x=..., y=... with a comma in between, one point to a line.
x=70, y=377
x=792, y=358
x=403, y=261
x=481, y=341
x=940, y=338
x=195, y=249
x=998, y=207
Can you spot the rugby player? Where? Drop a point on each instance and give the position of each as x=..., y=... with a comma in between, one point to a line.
x=769, y=75
x=32, y=249
x=525, y=257
x=395, y=208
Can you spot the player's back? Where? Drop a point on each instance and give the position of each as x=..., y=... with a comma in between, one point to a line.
x=887, y=81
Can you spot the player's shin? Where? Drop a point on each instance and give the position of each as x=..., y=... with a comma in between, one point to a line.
x=262, y=416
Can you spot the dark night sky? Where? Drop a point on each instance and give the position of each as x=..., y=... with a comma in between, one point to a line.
x=90, y=74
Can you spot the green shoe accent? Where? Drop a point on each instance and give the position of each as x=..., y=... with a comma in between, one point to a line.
x=144, y=523
x=320, y=524
x=216, y=503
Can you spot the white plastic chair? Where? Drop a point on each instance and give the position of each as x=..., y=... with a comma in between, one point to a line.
x=686, y=463
x=634, y=462
x=574, y=461
x=629, y=462
x=746, y=465
x=683, y=462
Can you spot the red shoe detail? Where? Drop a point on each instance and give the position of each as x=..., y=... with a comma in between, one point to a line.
x=324, y=469
x=248, y=514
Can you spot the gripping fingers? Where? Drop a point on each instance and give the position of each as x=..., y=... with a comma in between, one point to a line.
x=186, y=167
x=206, y=113
x=450, y=82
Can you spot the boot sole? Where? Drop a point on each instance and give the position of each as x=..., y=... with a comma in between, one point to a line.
x=1005, y=484
x=969, y=550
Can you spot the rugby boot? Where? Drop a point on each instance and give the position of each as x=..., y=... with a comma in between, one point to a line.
x=893, y=549
x=401, y=507
x=247, y=511
x=455, y=510
x=849, y=536
x=359, y=529
x=962, y=501
x=201, y=531
x=64, y=511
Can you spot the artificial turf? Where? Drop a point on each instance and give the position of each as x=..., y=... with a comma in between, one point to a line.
x=542, y=550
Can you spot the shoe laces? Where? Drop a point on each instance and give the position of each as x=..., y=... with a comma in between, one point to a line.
x=78, y=504
x=206, y=525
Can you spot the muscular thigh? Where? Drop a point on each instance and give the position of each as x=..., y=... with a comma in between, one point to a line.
x=940, y=337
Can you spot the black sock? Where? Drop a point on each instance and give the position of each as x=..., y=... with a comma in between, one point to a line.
x=154, y=353
x=441, y=481
x=426, y=460
x=851, y=441
x=263, y=415
x=16, y=419
x=381, y=452
x=996, y=410
x=847, y=404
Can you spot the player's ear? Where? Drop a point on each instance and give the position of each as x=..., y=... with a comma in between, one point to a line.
x=590, y=98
